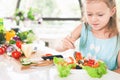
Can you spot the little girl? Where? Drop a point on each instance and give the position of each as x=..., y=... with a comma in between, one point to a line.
x=98, y=33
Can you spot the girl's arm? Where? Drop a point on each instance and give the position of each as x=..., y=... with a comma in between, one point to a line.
x=118, y=59
x=69, y=40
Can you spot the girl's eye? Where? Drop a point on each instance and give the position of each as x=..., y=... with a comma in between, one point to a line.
x=100, y=14
x=89, y=14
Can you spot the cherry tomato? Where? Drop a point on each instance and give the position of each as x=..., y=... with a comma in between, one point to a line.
x=1, y=51
x=4, y=48
x=19, y=44
x=16, y=54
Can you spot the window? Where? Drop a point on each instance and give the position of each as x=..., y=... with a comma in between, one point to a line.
x=7, y=7
x=59, y=17
x=54, y=12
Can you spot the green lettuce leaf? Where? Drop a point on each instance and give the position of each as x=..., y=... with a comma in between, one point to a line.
x=62, y=66
x=96, y=72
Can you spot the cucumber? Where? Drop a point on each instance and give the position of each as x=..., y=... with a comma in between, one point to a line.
x=25, y=61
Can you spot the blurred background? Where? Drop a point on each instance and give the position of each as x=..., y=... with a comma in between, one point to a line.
x=51, y=20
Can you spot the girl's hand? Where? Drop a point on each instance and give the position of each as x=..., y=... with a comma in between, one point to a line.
x=65, y=44
x=68, y=43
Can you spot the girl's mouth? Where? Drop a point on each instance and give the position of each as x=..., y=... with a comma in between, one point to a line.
x=95, y=25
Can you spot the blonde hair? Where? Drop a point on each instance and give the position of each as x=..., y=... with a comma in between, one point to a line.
x=113, y=21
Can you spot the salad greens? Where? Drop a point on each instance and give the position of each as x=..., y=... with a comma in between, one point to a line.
x=26, y=36
x=96, y=72
x=62, y=66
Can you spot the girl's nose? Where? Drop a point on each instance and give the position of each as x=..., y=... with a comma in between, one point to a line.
x=94, y=18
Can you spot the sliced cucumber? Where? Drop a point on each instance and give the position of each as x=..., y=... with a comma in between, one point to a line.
x=25, y=61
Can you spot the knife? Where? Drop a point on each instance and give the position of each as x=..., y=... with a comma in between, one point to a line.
x=51, y=57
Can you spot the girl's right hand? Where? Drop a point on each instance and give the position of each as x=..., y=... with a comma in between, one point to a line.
x=65, y=44
x=69, y=40
x=68, y=43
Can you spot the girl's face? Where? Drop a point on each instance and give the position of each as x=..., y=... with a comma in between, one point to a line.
x=98, y=15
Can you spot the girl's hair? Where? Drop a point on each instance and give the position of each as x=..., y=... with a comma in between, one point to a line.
x=112, y=22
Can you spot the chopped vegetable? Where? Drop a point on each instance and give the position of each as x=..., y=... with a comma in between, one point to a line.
x=96, y=72
x=63, y=67
x=25, y=61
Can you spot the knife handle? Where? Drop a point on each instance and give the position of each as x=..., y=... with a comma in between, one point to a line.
x=51, y=57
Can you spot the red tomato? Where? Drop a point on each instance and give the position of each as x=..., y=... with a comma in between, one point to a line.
x=16, y=54
x=1, y=51
x=48, y=54
x=78, y=56
x=19, y=44
x=4, y=48
x=91, y=62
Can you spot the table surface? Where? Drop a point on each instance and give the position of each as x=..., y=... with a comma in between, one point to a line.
x=9, y=72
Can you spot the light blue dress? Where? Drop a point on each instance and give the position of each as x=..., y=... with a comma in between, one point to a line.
x=103, y=49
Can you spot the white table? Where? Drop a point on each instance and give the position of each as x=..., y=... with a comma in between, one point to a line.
x=82, y=75
x=50, y=73
x=7, y=72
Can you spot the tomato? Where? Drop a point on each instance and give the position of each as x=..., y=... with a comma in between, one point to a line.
x=91, y=62
x=96, y=65
x=48, y=54
x=1, y=51
x=4, y=48
x=78, y=56
x=19, y=44
x=16, y=54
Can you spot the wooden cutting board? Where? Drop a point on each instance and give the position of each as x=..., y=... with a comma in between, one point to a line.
x=17, y=64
